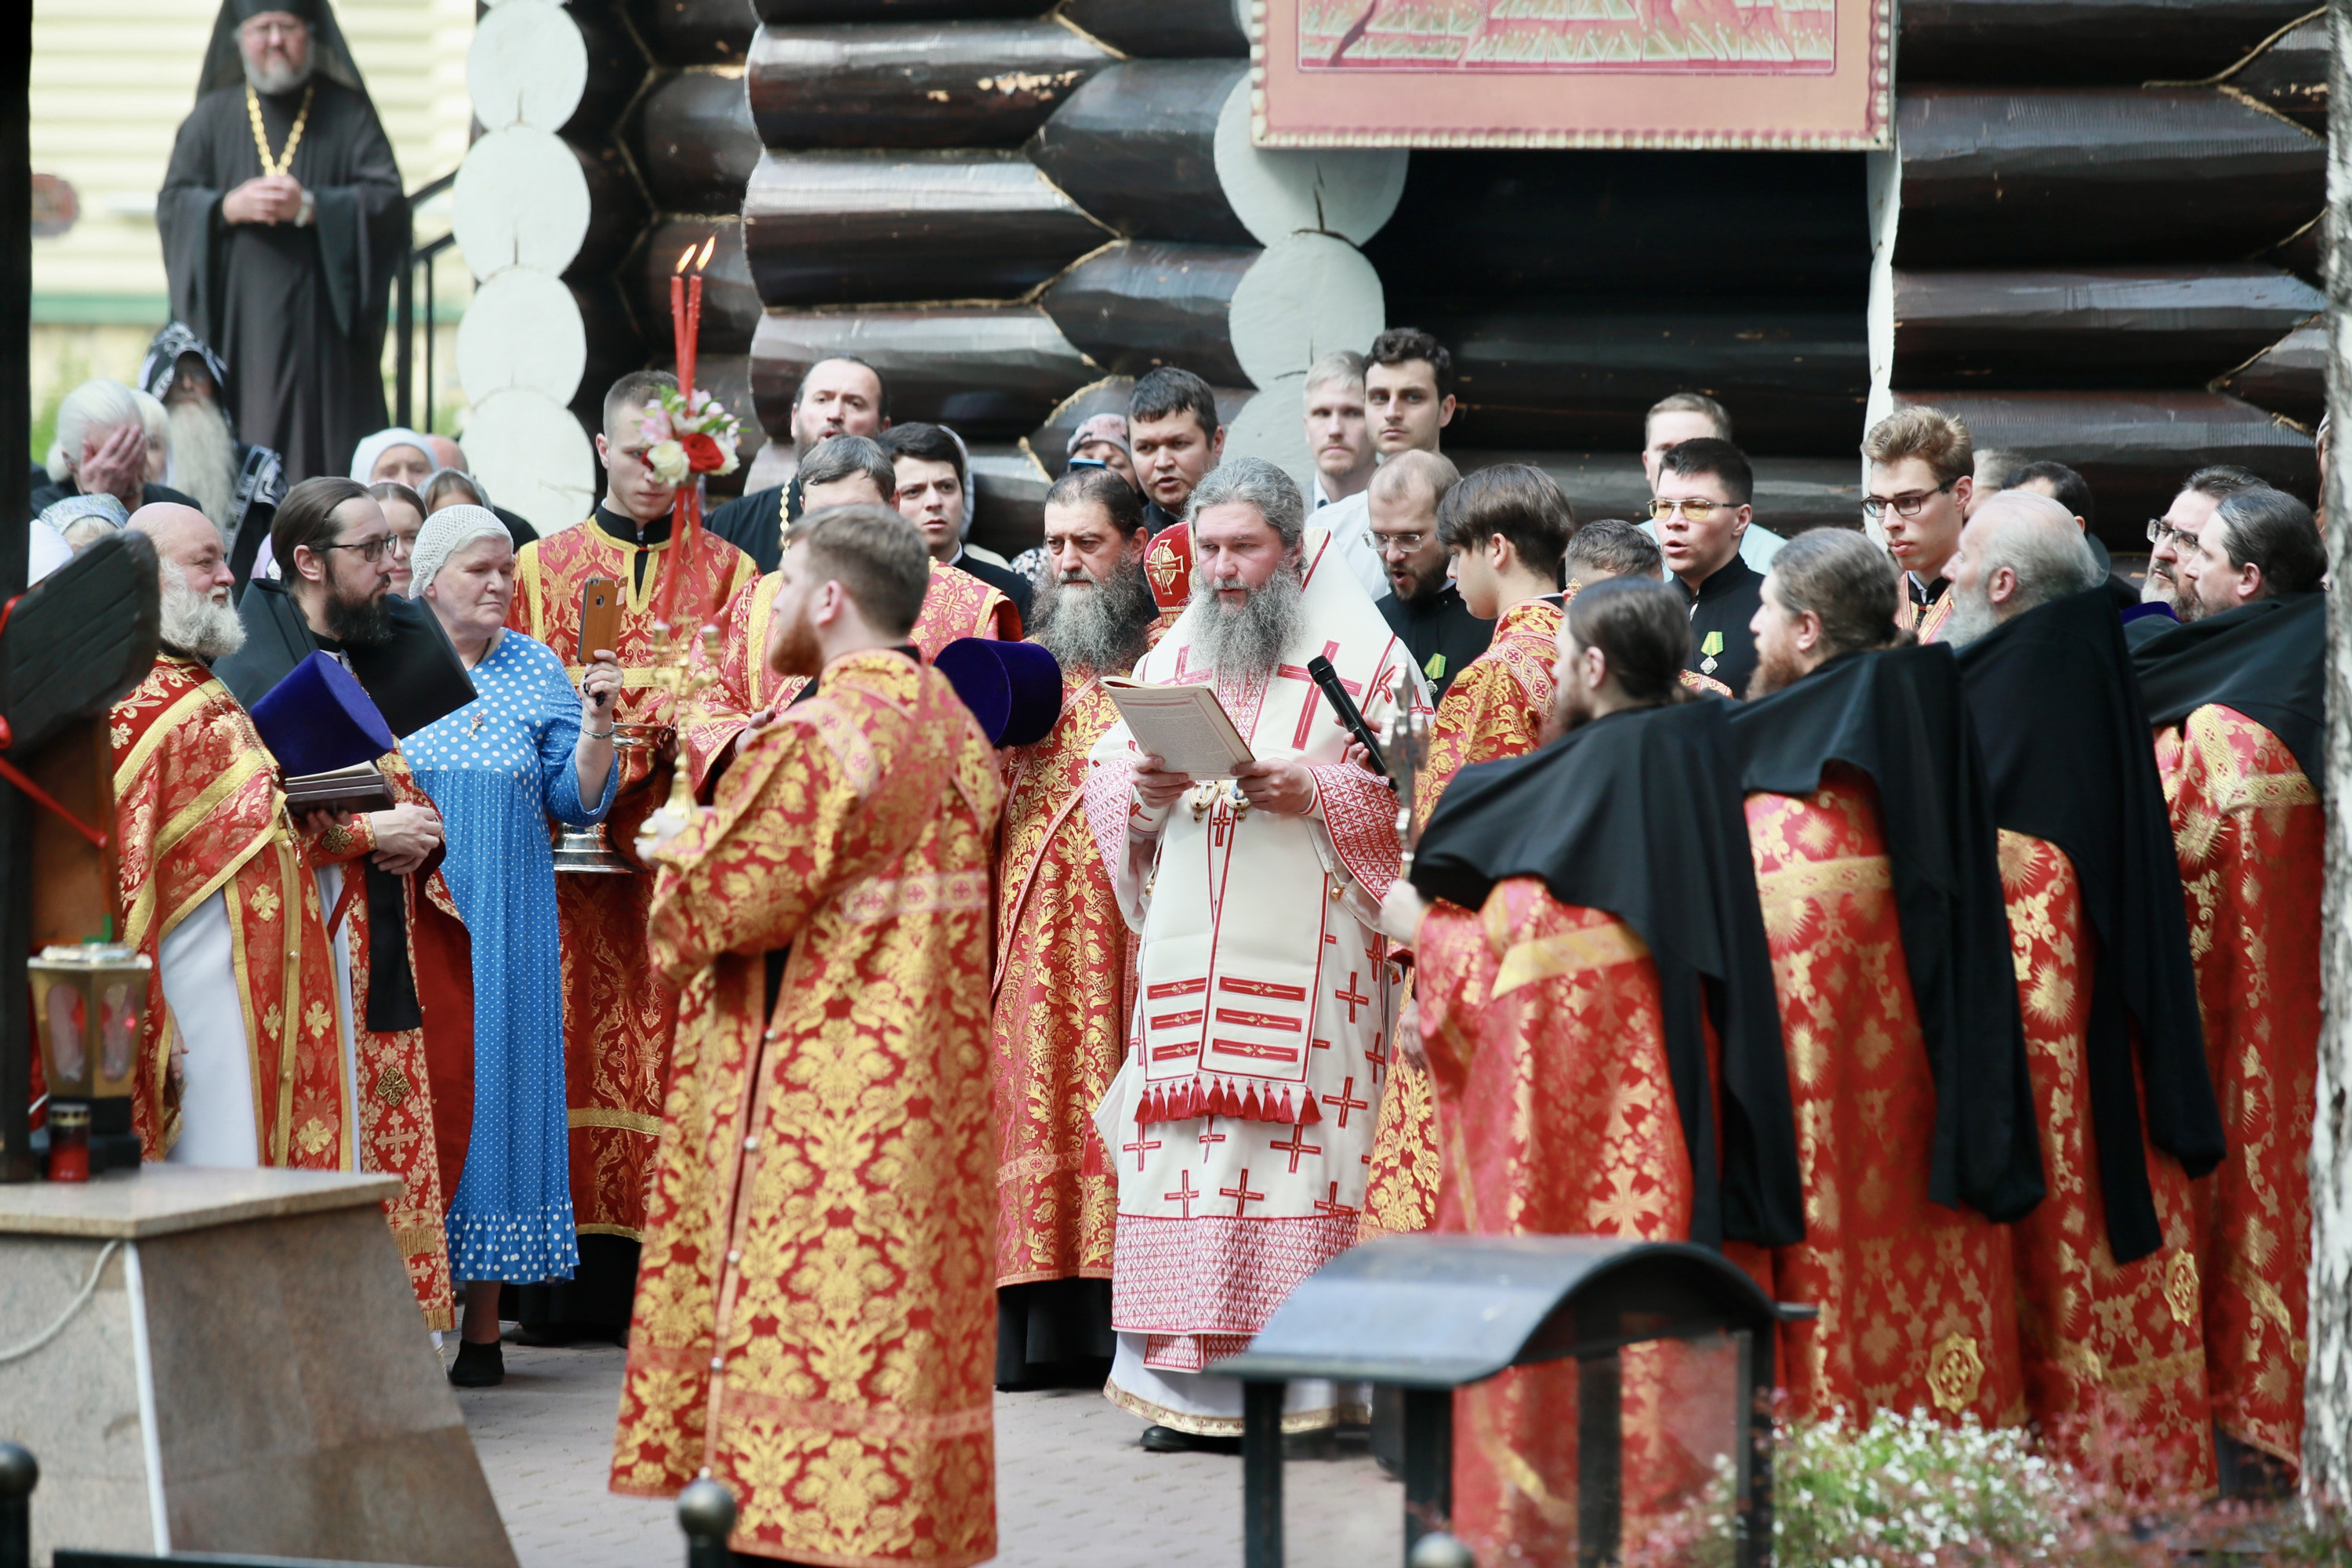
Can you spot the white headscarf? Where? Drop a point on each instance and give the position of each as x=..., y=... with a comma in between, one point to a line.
x=371, y=447
x=445, y=532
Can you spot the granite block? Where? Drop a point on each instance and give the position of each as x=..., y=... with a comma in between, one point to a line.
x=161, y=1200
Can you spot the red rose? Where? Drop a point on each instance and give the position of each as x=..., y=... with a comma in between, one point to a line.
x=702, y=454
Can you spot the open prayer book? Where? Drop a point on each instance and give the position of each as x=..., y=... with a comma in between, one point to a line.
x=1184, y=726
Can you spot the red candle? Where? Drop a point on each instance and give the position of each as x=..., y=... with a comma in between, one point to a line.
x=692, y=341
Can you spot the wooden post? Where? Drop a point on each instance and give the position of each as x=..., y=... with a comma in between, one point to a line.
x=16, y=425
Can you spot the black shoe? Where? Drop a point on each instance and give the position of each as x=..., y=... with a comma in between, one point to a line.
x=1169, y=1440
x=478, y=1367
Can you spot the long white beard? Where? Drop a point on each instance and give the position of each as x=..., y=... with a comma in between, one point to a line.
x=1091, y=626
x=271, y=83
x=204, y=460
x=198, y=623
x=1246, y=642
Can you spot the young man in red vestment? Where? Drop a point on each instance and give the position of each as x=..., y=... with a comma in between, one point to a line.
x=1064, y=984
x=618, y=1012
x=815, y=1324
x=1879, y=867
x=2236, y=696
x=1507, y=528
x=1597, y=1017
x=2110, y=1326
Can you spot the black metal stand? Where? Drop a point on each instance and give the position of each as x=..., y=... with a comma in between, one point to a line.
x=1752, y=1539
x=20, y=1474
x=1428, y=1464
x=1261, y=1474
x=1599, y=1460
x=414, y=260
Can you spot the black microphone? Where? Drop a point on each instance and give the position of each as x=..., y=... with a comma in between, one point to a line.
x=1328, y=679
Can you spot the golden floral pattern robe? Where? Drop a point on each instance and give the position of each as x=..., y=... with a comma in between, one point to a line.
x=2114, y=1353
x=1494, y=709
x=816, y=1313
x=2251, y=834
x=1918, y=1305
x=416, y=1086
x=198, y=811
x=617, y=1012
x=1556, y=1115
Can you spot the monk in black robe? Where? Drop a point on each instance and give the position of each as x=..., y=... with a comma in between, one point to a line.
x=283, y=222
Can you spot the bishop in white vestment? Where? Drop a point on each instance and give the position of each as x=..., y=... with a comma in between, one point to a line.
x=1242, y=1120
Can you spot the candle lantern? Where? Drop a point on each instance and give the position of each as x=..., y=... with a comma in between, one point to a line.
x=89, y=1005
x=1430, y=1314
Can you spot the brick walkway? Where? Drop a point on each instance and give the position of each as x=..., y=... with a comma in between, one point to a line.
x=1073, y=1489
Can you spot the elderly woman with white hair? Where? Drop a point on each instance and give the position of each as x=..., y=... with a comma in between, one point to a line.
x=528, y=748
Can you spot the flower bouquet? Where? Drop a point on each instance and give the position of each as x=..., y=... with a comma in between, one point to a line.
x=692, y=433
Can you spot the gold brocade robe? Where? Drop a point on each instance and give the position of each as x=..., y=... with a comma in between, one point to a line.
x=617, y=1012
x=198, y=811
x=416, y=1085
x=1064, y=990
x=816, y=1313
x=958, y=605
x=2251, y=832
x=1918, y=1305
x=1494, y=709
x=2114, y=1353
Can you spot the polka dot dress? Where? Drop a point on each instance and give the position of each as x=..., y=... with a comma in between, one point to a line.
x=498, y=769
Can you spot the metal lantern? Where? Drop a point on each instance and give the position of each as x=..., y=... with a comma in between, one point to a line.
x=89, y=1003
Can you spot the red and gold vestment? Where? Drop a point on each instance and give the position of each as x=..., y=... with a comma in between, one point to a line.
x=198, y=811
x=2251, y=832
x=1496, y=708
x=2114, y=1355
x=617, y=1012
x=1556, y=1115
x=1917, y=1301
x=815, y=1315
x=414, y=1086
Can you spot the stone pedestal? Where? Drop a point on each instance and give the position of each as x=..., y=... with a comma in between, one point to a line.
x=235, y=1363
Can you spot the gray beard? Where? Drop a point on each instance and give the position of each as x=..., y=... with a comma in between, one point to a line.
x=198, y=623
x=204, y=460
x=269, y=84
x=1246, y=644
x=1094, y=626
x=1972, y=615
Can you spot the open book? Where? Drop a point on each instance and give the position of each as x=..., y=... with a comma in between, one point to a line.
x=1184, y=726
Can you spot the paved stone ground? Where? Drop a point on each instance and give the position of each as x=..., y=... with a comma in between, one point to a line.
x=1073, y=1489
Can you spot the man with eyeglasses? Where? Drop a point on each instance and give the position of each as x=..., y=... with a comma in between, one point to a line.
x=1423, y=606
x=1408, y=401
x=1922, y=465
x=2175, y=533
x=1682, y=416
x=1702, y=509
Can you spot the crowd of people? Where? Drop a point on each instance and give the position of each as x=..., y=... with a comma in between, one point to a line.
x=1920, y=914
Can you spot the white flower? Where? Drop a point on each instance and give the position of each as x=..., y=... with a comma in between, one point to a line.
x=668, y=460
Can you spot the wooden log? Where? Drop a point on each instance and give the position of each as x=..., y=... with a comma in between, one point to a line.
x=617, y=213
x=698, y=32
x=616, y=68
x=731, y=305
x=1793, y=494
x=695, y=142
x=1162, y=30
x=802, y=13
x=2290, y=76
x=1008, y=500
x=521, y=199
x=2290, y=377
x=1051, y=441
x=1795, y=375
x=534, y=454
x=614, y=343
x=2076, y=41
x=523, y=328
x=991, y=372
x=833, y=227
x=1524, y=225
x=1160, y=150
x=527, y=65
x=976, y=84
x=2091, y=327
x=2097, y=175
x=2134, y=448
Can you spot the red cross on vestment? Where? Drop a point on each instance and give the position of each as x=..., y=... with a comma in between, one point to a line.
x=1241, y=1195
x=1298, y=1146
x=1378, y=1056
x=1314, y=692
x=1208, y=1137
x=1139, y=1149
x=1346, y=1100
x=1352, y=996
x=1332, y=1205
x=1185, y=1193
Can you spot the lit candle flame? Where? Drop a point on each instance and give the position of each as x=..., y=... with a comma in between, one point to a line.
x=703, y=260
x=684, y=257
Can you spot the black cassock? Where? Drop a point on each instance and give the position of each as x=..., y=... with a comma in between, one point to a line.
x=298, y=312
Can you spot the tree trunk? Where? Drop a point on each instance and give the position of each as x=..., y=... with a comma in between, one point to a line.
x=2327, y=1373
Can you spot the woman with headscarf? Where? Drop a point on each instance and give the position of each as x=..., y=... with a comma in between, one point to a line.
x=528, y=748
x=402, y=456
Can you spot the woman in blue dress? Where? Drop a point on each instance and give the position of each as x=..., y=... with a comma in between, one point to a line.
x=527, y=748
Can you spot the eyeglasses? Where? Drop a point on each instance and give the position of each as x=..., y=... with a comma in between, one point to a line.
x=1403, y=543
x=1908, y=504
x=2159, y=531
x=1697, y=510
x=366, y=549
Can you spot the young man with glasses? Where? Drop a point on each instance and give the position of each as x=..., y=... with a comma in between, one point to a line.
x=1702, y=509
x=1922, y=467
x=1682, y=416
x=1421, y=606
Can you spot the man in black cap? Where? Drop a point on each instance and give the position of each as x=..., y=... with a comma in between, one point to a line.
x=237, y=483
x=283, y=219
